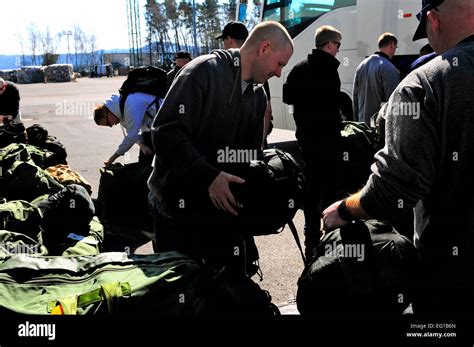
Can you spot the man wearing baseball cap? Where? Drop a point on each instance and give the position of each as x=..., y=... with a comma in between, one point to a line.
x=426, y=165
x=181, y=59
x=234, y=35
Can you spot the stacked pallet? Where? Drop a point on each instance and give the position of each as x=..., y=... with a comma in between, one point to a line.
x=59, y=73
x=30, y=74
x=9, y=75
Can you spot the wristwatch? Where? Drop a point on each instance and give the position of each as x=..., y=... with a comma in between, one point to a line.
x=344, y=212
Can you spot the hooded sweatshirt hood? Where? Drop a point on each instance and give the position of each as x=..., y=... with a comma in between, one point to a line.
x=113, y=105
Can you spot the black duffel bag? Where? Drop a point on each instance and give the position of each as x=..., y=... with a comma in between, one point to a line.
x=272, y=193
x=363, y=268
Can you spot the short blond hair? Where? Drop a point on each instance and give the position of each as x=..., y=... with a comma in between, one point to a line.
x=326, y=34
x=386, y=39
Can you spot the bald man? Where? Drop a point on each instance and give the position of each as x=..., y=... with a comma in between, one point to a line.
x=234, y=35
x=427, y=162
x=216, y=105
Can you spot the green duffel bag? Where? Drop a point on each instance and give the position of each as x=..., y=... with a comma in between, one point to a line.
x=26, y=181
x=23, y=152
x=88, y=245
x=21, y=232
x=20, y=217
x=74, y=245
x=12, y=243
x=155, y=285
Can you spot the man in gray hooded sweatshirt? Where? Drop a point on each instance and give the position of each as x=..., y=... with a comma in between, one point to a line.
x=427, y=162
x=139, y=111
x=215, y=106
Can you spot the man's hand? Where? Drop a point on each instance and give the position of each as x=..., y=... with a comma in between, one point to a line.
x=331, y=218
x=145, y=149
x=220, y=193
x=109, y=161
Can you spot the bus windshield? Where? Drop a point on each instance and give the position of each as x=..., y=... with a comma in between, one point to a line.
x=297, y=15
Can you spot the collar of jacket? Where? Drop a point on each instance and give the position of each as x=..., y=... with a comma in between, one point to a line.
x=319, y=56
x=382, y=54
x=467, y=39
x=234, y=59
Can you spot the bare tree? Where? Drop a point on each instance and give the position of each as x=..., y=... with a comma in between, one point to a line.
x=50, y=45
x=185, y=10
x=91, y=49
x=21, y=42
x=80, y=39
x=34, y=39
x=173, y=15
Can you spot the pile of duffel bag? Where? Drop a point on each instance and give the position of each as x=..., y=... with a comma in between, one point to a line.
x=51, y=241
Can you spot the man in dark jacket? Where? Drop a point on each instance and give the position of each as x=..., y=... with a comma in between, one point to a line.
x=9, y=102
x=313, y=88
x=215, y=107
x=234, y=35
x=181, y=59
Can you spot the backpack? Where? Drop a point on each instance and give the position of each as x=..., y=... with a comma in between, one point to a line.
x=144, y=79
x=359, y=144
x=55, y=146
x=67, y=211
x=11, y=132
x=272, y=193
x=37, y=135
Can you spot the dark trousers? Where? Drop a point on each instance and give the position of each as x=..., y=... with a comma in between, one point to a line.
x=142, y=158
x=212, y=245
x=324, y=178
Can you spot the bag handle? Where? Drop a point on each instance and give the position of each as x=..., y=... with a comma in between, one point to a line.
x=108, y=292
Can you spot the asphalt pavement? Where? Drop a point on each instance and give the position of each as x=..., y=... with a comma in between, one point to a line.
x=65, y=110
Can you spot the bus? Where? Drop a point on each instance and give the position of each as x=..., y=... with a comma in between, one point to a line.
x=361, y=22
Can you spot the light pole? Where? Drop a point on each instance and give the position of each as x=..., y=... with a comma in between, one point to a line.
x=67, y=33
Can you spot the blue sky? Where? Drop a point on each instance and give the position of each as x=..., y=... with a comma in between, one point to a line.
x=106, y=19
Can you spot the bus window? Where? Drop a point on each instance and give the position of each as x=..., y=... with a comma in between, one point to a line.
x=296, y=15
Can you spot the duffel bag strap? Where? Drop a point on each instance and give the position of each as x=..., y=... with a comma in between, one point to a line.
x=108, y=292
x=294, y=232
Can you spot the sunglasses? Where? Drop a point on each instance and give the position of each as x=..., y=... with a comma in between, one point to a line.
x=425, y=10
x=338, y=44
